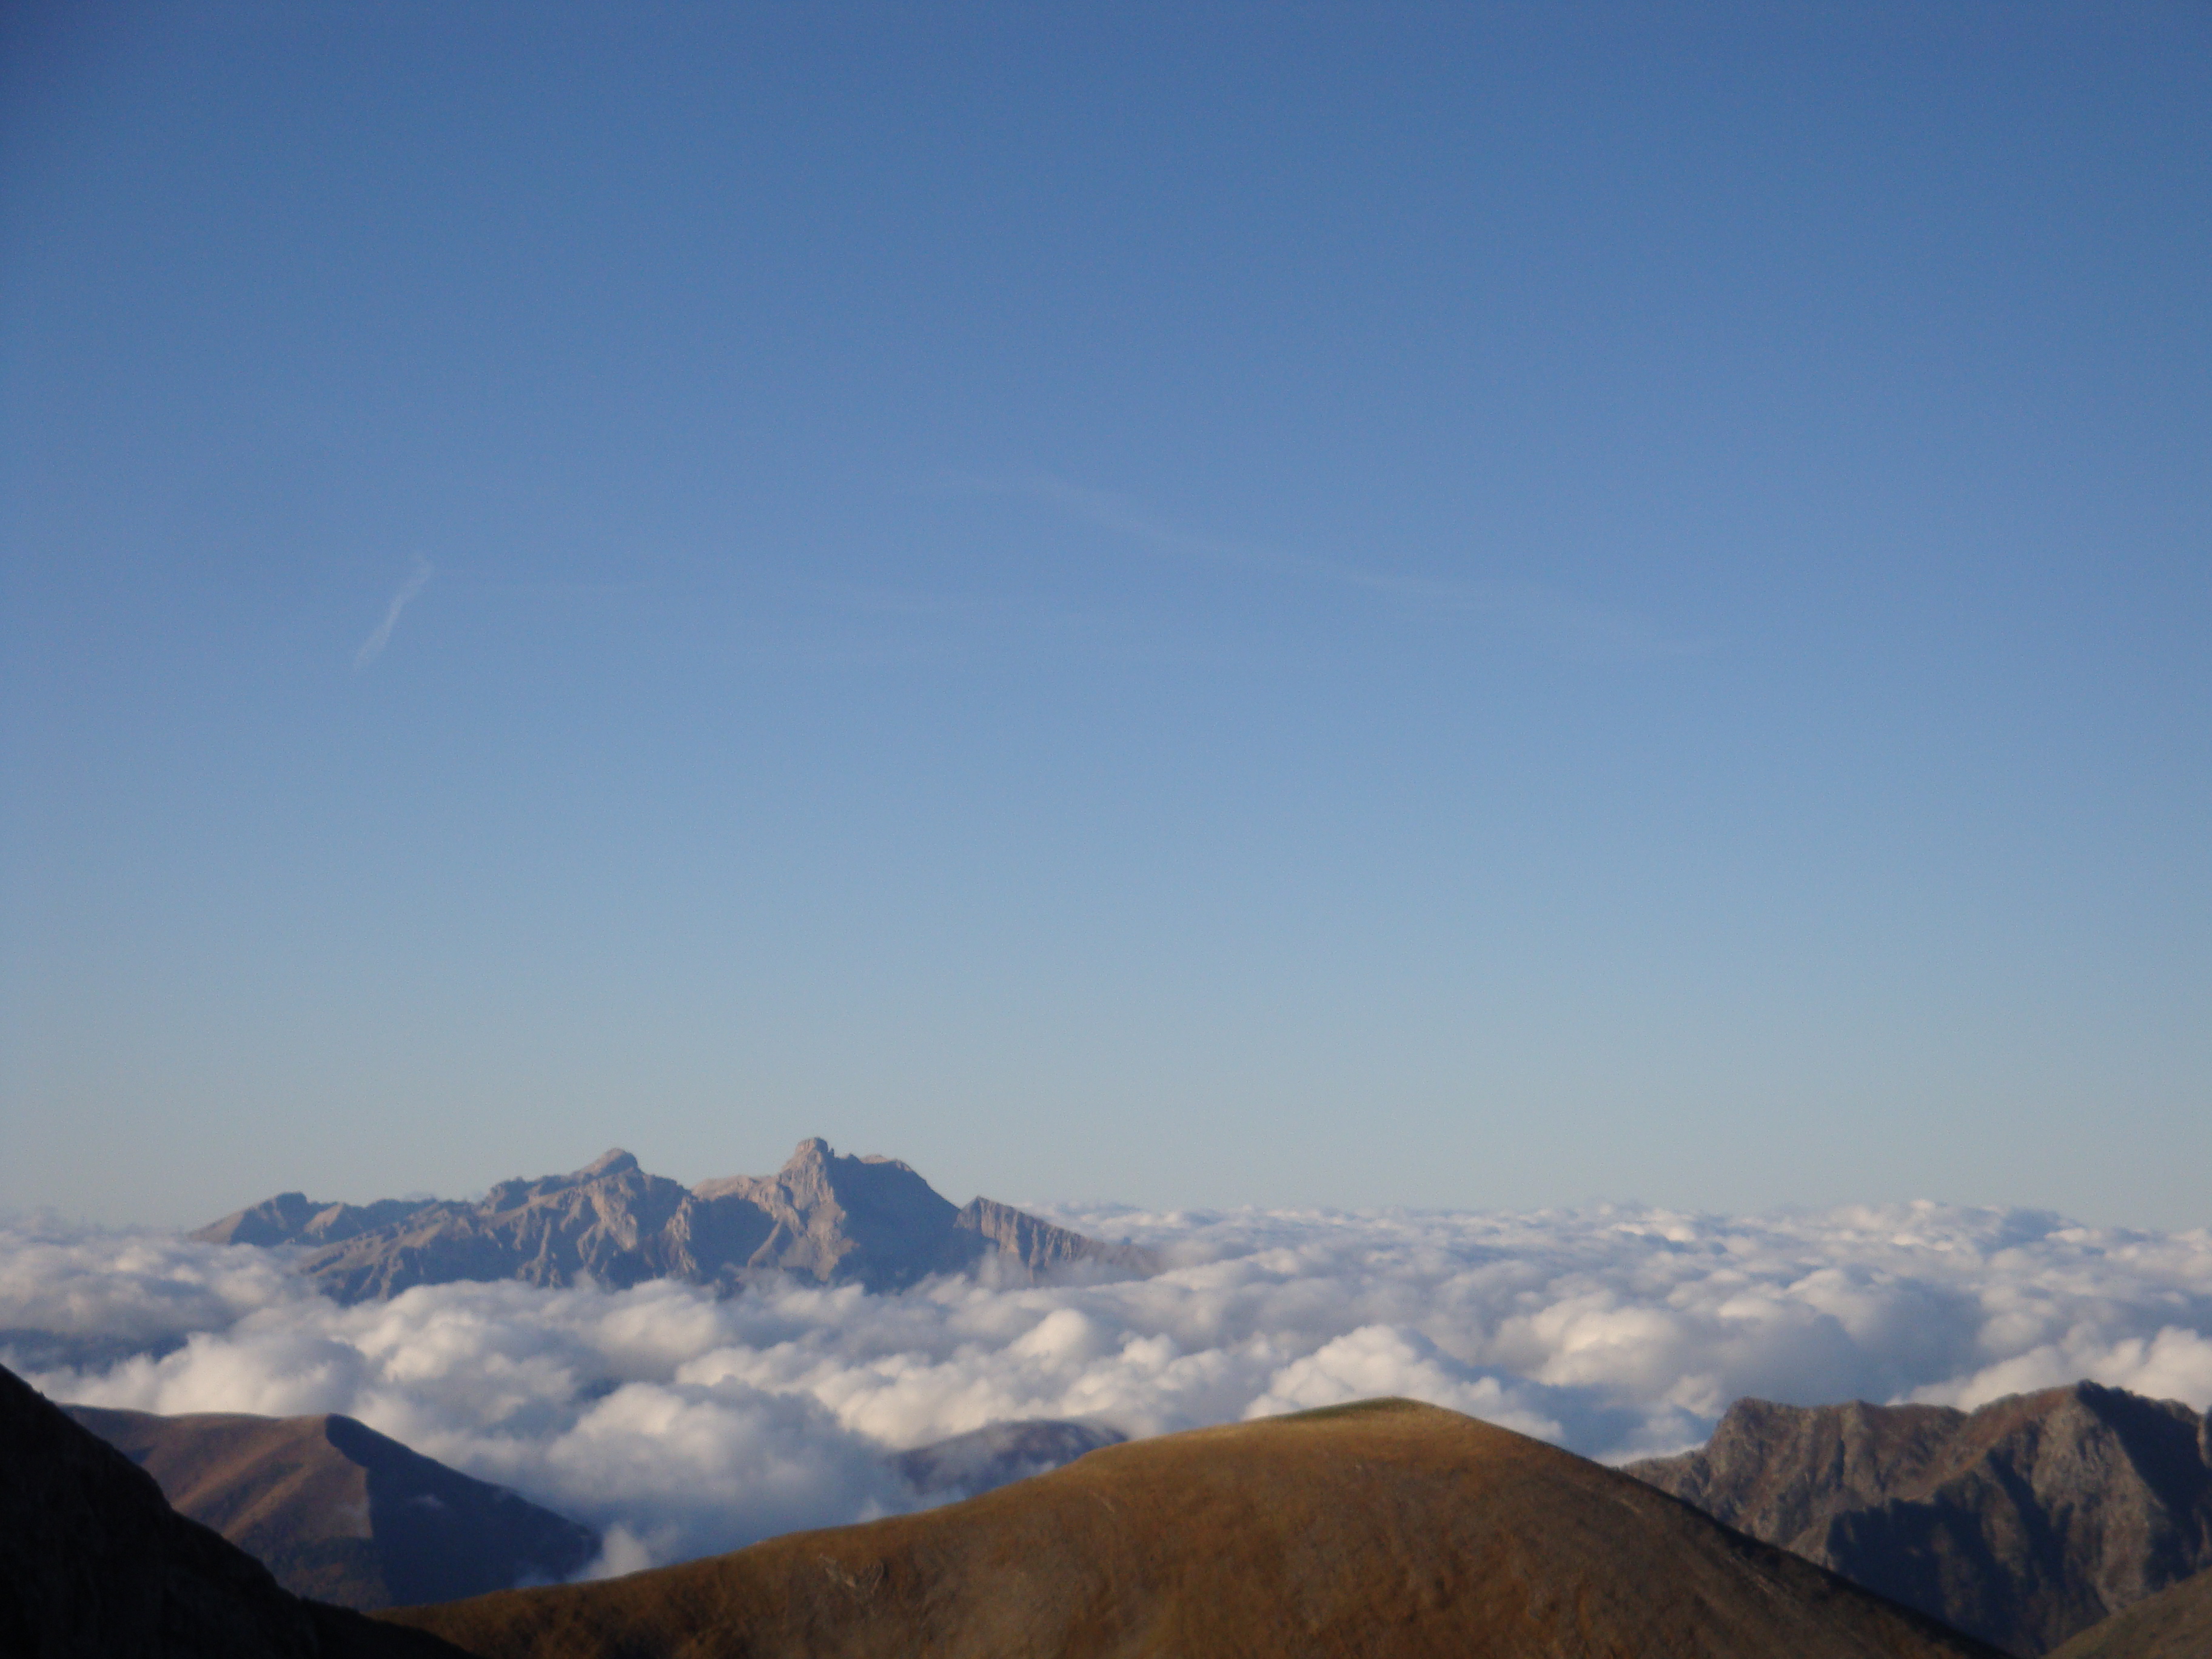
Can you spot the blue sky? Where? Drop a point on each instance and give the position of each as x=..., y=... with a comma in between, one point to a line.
x=1413, y=605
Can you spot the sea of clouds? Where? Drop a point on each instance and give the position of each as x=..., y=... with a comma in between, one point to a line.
x=680, y=1424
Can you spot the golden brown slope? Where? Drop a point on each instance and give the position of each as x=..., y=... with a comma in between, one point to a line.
x=2175, y=1623
x=1391, y=1528
x=340, y=1512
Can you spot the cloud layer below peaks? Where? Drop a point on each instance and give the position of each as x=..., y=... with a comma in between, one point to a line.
x=681, y=1426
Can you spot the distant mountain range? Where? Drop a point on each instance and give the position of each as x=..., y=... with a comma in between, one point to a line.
x=2025, y=1522
x=95, y=1564
x=1394, y=1529
x=341, y=1513
x=824, y=1216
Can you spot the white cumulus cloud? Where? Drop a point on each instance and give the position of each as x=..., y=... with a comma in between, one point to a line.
x=680, y=1424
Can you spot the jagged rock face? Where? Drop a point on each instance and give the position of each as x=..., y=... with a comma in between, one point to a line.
x=609, y=1222
x=2023, y=1523
x=95, y=1564
x=1000, y=1453
x=1037, y=1247
x=836, y=1220
x=340, y=1512
x=293, y=1219
x=870, y=1221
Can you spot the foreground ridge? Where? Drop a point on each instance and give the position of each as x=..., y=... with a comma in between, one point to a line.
x=824, y=1216
x=95, y=1564
x=1387, y=1529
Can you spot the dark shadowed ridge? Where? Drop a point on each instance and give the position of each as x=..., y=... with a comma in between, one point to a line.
x=1000, y=1453
x=1390, y=1530
x=832, y=1220
x=2175, y=1624
x=95, y=1564
x=340, y=1512
x=2024, y=1522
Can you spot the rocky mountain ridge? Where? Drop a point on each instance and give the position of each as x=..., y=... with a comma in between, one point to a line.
x=824, y=1216
x=2024, y=1522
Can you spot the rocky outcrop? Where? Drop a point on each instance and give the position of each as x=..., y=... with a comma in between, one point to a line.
x=2023, y=1523
x=341, y=1513
x=95, y=1564
x=1000, y=1453
x=1388, y=1529
x=832, y=1220
x=1039, y=1248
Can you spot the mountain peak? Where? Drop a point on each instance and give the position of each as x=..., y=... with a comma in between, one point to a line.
x=810, y=1150
x=613, y=1161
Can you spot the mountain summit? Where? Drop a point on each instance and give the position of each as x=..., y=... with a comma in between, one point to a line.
x=830, y=1219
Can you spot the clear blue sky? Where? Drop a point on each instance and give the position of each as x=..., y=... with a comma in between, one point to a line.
x=1432, y=605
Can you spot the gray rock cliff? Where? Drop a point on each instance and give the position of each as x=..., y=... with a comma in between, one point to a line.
x=2024, y=1522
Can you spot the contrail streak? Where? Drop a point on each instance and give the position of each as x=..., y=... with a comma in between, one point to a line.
x=373, y=646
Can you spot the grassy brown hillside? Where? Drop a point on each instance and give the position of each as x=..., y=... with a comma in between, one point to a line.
x=1387, y=1529
x=2175, y=1623
x=339, y=1512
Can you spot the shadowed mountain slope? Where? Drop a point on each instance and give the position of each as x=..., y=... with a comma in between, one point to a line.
x=1387, y=1529
x=339, y=1512
x=1000, y=1453
x=2022, y=1523
x=95, y=1564
x=2175, y=1624
x=871, y=1221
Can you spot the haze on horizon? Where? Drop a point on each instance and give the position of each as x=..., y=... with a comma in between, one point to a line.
x=1453, y=606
